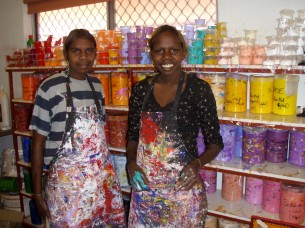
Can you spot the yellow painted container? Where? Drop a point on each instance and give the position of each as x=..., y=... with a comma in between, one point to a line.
x=261, y=94
x=236, y=92
x=285, y=92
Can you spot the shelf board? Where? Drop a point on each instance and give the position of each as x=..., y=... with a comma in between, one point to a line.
x=23, y=133
x=187, y=67
x=5, y=132
x=236, y=210
x=22, y=101
x=262, y=120
x=267, y=170
x=123, y=150
x=27, y=223
x=24, y=164
x=24, y=193
x=117, y=108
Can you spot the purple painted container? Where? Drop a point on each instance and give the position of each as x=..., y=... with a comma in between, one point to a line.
x=238, y=141
x=210, y=180
x=297, y=148
x=227, y=132
x=277, y=145
x=254, y=145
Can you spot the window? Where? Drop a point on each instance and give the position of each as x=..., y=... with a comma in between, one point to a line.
x=59, y=22
x=130, y=13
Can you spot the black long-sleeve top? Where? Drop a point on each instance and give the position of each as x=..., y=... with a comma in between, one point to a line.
x=196, y=109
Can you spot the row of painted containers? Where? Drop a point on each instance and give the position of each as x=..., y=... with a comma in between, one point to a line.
x=268, y=94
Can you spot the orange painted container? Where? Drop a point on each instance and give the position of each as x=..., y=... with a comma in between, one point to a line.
x=104, y=78
x=119, y=86
x=118, y=125
x=28, y=86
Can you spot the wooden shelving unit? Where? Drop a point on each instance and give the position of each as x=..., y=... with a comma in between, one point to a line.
x=238, y=211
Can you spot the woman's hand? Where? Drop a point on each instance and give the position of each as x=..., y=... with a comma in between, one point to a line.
x=41, y=206
x=137, y=178
x=189, y=176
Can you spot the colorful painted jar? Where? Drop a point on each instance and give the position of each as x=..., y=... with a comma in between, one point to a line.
x=204, y=76
x=254, y=190
x=119, y=85
x=232, y=187
x=22, y=117
x=104, y=78
x=120, y=169
x=226, y=223
x=277, y=145
x=210, y=180
x=138, y=76
x=118, y=126
x=28, y=86
x=238, y=142
x=285, y=92
x=254, y=145
x=211, y=222
x=236, y=92
x=261, y=94
x=271, y=196
x=218, y=86
x=292, y=206
x=296, y=148
x=227, y=132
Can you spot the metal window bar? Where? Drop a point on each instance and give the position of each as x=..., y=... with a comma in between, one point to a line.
x=112, y=15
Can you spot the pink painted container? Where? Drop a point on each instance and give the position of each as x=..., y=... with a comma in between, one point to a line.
x=232, y=187
x=254, y=190
x=271, y=196
x=292, y=206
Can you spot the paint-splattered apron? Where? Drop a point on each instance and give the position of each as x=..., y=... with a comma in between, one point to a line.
x=162, y=155
x=82, y=189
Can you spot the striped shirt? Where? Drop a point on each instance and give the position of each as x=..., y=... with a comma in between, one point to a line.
x=49, y=114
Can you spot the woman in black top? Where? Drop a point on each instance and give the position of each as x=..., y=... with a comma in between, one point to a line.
x=166, y=113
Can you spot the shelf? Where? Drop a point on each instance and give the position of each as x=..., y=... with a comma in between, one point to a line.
x=5, y=132
x=24, y=164
x=117, y=108
x=22, y=101
x=188, y=67
x=24, y=193
x=236, y=210
x=237, y=118
x=267, y=170
x=23, y=133
x=27, y=223
x=262, y=120
x=122, y=150
x=28, y=165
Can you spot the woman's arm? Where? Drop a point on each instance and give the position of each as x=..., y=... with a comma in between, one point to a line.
x=38, y=145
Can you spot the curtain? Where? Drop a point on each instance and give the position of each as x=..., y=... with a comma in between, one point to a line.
x=37, y=6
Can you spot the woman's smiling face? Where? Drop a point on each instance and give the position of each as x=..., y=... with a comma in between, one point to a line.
x=167, y=53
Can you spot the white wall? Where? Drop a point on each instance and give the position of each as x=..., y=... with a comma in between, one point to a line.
x=260, y=15
x=15, y=26
x=248, y=14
